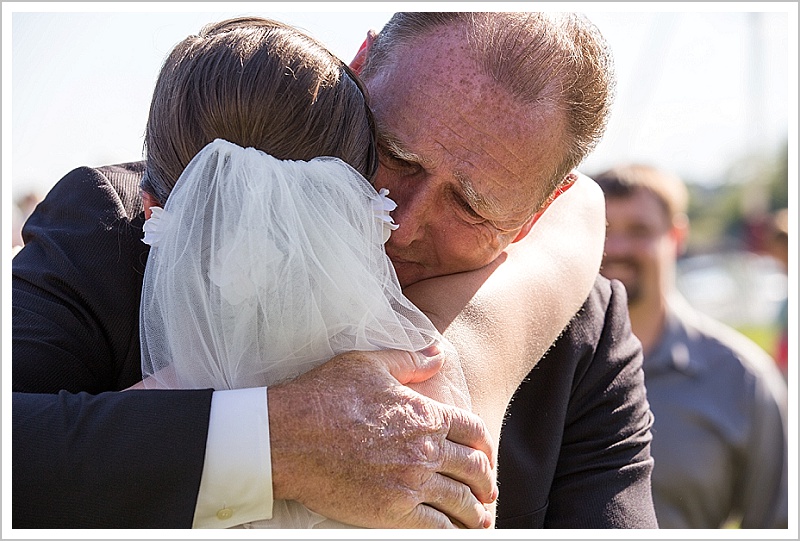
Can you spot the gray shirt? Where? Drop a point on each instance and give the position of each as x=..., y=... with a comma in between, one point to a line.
x=720, y=429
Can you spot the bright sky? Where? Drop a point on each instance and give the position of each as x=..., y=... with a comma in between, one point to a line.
x=697, y=89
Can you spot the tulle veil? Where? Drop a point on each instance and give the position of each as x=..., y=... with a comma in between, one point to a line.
x=261, y=269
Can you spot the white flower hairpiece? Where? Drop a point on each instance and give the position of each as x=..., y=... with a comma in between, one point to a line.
x=235, y=270
x=155, y=226
x=382, y=205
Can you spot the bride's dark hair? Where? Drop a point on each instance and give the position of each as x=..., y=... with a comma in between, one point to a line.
x=257, y=83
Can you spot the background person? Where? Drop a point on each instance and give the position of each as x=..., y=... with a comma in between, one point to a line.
x=777, y=246
x=720, y=429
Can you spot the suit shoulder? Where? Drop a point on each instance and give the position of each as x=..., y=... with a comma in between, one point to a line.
x=126, y=179
x=122, y=169
x=606, y=307
x=118, y=183
x=606, y=294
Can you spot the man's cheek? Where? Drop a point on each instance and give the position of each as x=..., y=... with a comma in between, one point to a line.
x=472, y=256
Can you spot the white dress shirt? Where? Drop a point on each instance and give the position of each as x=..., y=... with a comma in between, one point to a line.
x=236, y=485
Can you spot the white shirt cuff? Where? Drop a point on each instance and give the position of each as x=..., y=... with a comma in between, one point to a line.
x=236, y=485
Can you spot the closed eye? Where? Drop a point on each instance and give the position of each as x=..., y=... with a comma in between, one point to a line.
x=470, y=213
x=393, y=158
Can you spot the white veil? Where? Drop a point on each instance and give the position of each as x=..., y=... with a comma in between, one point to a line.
x=261, y=269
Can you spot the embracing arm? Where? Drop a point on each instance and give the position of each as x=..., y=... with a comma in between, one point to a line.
x=77, y=455
x=509, y=313
x=76, y=285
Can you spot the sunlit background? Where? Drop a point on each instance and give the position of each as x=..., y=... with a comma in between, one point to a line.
x=703, y=89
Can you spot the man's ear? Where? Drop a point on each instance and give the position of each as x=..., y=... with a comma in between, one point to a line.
x=358, y=62
x=680, y=232
x=148, y=201
x=567, y=184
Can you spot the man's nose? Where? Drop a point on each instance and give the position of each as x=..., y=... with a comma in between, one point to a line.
x=413, y=214
x=616, y=243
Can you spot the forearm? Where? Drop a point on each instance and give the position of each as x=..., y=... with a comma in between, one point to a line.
x=548, y=274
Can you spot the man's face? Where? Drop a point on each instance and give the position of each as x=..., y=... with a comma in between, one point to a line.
x=466, y=165
x=641, y=245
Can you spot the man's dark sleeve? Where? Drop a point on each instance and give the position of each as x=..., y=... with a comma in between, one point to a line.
x=130, y=459
x=83, y=456
x=575, y=449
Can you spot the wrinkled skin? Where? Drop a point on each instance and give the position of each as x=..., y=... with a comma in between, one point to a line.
x=467, y=166
x=369, y=451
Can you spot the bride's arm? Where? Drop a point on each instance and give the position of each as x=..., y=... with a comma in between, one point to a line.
x=522, y=301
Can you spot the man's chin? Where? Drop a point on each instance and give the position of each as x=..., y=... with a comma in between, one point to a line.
x=411, y=273
x=408, y=275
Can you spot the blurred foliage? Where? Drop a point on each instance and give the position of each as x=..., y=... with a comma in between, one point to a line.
x=731, y=215
x=765, y=336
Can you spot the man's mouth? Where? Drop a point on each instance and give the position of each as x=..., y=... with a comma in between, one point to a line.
x=396, y=260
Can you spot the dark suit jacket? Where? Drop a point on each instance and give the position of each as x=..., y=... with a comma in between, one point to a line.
x=574, y=453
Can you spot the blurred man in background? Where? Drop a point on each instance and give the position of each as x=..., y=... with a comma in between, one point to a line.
x=777, y=246
x=720, y=429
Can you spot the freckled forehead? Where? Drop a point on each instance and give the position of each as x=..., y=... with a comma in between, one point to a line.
x=438, y=104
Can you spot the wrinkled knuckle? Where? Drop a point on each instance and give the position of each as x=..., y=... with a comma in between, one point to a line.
x=478, y=467
x=447, y=417
x=433, y=450
x=430, y=414
x=482, y=462
x=405, y=501
x=414, y=478
x=465, y=497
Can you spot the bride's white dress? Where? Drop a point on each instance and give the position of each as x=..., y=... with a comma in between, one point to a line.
x=261, y=269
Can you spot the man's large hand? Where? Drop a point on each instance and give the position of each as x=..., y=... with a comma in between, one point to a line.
x=351, y=442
